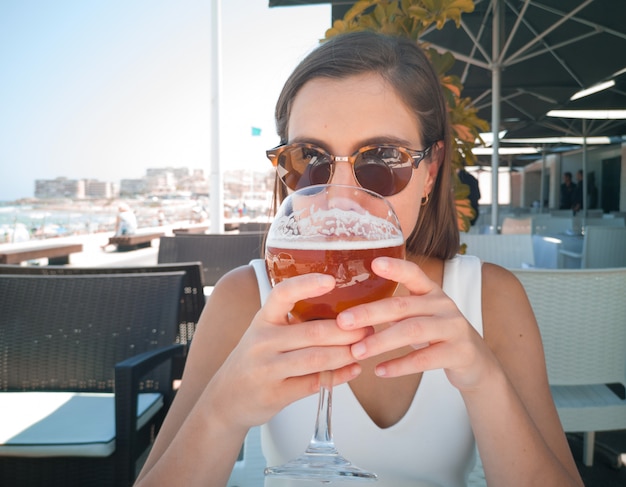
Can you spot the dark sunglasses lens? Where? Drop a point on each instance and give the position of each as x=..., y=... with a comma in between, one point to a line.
x=316, y=173
x=375, y=176
x=383, y=170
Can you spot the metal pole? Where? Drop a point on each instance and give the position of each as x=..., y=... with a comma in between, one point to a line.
x=584, y=174
x=217, y=188
x=510, y=183
x=495, y=113
x=542, y=188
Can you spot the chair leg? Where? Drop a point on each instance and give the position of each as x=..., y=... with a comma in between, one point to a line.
x=589, y=439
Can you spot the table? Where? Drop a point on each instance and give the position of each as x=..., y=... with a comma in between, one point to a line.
x=134, y=241
x=57, y=254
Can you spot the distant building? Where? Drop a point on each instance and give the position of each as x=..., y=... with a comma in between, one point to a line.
x=161, y=182
x=177, y=172
x=196, y=183
x=239, y=181
x=132, y=187
x=99, y=189
x=60, y=188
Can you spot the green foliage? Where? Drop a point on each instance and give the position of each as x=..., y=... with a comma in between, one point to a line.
x=410, y=18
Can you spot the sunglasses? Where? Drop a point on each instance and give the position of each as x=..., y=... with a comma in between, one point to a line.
x=384, y=169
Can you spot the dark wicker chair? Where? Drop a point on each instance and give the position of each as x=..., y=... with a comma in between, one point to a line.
x=254, y=226
x=192, y=297
x=219, y=253
x=99, y=334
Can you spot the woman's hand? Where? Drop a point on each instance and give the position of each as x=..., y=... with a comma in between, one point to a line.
x=277, y=362
x=426, y=320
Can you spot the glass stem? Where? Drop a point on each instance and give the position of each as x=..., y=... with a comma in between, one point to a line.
x=322, y=441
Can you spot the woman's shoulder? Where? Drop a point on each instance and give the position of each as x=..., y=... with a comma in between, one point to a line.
x=498, y=281
x=238, y=287
x=229, y=308
x=226, y=316
x=507, y=314
x=463, y=270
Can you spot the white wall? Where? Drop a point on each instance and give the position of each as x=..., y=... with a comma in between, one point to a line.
x=557, y=164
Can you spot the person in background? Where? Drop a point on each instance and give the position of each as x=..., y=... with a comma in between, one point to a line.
x=474, y=191
x=577, y=197
x=452, y=361
x=592, y=192
x=567, y=192
x=125, y=222
x=161, y=217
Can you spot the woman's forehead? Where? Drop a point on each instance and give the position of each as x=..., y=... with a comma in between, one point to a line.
x=362, y=106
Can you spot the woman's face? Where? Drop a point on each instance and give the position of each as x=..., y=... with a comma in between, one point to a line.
x=343, y=115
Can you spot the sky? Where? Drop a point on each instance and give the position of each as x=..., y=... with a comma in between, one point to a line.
x=104, y=89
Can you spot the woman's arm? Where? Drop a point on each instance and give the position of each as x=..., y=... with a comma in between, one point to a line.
x=517, y=427
x=502, y=377
x=244, y=365
x=227, y=313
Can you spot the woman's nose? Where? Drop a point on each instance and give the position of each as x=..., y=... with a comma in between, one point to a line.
x=343, y=174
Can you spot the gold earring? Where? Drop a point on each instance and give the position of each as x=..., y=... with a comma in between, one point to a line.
x=426, y=199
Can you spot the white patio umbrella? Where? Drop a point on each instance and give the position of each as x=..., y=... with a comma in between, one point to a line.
x=217, y=188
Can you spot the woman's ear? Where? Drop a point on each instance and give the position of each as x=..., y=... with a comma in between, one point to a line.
x=436, y=160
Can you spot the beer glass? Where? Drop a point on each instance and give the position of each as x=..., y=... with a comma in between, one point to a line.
x=336, y=230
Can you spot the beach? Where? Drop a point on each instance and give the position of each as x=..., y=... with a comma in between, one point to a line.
x=41, y=219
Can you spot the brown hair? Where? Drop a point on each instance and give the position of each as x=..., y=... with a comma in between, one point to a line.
x=406, y=68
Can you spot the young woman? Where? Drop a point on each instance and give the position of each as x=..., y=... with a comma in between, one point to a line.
x=454, y=357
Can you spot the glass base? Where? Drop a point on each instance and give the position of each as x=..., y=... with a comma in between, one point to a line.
x=320, y=467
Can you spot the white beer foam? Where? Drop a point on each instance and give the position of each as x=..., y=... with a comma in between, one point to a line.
x=295, y=243
x=335, y=224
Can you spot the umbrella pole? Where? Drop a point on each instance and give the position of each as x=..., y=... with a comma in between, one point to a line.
x=542, y=188
x=584, y=219
x=510, y=183
x=495, y=114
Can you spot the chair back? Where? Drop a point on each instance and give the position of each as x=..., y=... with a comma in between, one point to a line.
x=254, y=226
x=604, y=222
x=562, y=213
x=514, y=226
x=581, y=319
x=192, y=297
x=604, y=247
x=218, y=253
x=594, y=213
x=67, y=332
x=551, y=225
x=510, y=251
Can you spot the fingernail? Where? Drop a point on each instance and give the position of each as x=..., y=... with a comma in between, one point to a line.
x=324, y=280
x=358, y=350
x=382, y=263
x=355, y=370
x=380, y=371
x=346, y=319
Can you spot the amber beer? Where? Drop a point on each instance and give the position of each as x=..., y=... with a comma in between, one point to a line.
x=348, y=261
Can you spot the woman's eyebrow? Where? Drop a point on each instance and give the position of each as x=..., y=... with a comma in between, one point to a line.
x=377, y=140
x=386, y=140
x=306, y=140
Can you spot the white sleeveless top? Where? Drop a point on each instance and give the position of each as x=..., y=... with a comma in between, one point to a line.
x=432, y=445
